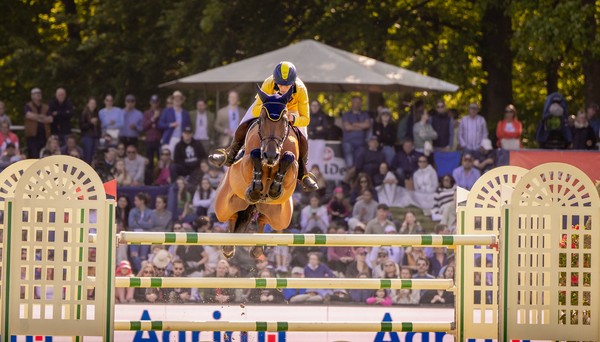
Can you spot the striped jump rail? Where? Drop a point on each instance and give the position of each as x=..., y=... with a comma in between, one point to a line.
x=331, y=240
x=272, y=326
x=282, y=283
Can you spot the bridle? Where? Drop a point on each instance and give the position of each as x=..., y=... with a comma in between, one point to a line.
x=278, y=140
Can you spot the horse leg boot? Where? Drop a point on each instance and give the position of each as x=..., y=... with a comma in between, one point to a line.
x=229, y=251
x=226, y=157
x=275, y=190
x=306, y=178
x=254, y=190
x=258, y=251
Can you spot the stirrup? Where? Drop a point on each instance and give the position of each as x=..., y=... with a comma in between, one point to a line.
x=218, y=158
x=309, y=183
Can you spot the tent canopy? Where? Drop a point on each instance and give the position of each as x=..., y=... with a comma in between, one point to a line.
x=321, y=67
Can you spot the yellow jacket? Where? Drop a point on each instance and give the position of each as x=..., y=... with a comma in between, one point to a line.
x=297, y=105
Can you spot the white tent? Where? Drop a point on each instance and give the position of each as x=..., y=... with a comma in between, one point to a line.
x=321, y=67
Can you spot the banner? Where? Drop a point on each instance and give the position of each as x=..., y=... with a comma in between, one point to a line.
x=588, y=162
x=327, y=154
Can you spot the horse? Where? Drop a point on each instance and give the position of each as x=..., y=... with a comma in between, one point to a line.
x=263, y=179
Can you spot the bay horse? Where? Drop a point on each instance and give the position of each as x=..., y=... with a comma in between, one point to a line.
x=262, y=180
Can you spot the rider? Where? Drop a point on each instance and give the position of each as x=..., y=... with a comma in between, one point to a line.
x=284, y=79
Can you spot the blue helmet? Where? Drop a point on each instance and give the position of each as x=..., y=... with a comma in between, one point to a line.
x=284, y=73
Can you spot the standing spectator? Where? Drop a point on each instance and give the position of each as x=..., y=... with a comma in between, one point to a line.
x=380, y=297
x=202, y=124
x=141, y=218
x=122, y=221
x=365, y=207
x=7, y=137
x=228, y=119
x=553, y=131
x=204, y=197
x=485, y=158
x=584, y=137
x=466, y=175
x=443, y=125
x=406, y=296
x=378, y=224
x=385, y=130
x=415, y=113
x=89, y=123
x=37, y=124
x=153, y=134
x=356, y=125
x=410, y=225
x=3, y=116
x=220, y=296
x=188, y=154
x=132, y=123
x=472, y=129
x=338, y=207
x=318, y=128
x=425, y=181
x=173, y=121
x=314, y=215
x=111, y=117
x=424, y=134
x=369, y=159
x=135, y=165
x=405, y=162
x=163, y=219
x=592, y=116
x=162, y=172
x=509, y=130
x=61, y=110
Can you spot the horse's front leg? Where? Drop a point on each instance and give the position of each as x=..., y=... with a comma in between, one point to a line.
x=276, y=188
x=257, y=251
x=229, y=251
x=255, y=189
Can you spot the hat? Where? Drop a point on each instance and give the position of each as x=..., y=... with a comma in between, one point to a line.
x=161, y=259
x=124, y=265
x=353, y=223
x=129, y=98
x=297, y=270
x=154, y=98
x=383, y=206
x=35, y=90
x=178, y=93
x=338, y=190
x=187, y=129
x=390, y=229
x=486, y=144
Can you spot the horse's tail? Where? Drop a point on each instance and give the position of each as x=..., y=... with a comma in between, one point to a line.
x=244, y=218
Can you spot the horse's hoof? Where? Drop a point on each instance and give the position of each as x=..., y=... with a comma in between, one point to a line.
x=275, y=193
x=257, y=251
x=228, y=251
x=252, y=196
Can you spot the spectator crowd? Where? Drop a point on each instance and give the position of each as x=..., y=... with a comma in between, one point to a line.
x=396, y=173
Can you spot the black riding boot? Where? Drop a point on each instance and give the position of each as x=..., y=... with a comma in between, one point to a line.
x=226, y=157
x=306, y=178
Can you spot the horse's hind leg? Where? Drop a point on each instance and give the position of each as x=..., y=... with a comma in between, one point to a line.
x=256, y=187
x=229, y=251
x=257, y=251
x=276, y=188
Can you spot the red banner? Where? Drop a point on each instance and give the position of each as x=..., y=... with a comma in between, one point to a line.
x=588, y=162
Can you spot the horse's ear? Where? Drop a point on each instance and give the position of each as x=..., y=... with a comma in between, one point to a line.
x=288, y=96
x=261, y=94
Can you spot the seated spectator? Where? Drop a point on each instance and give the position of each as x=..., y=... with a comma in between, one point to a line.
x=410, y=225
x=355, y=226
x=362, y=183
x=443, y=195
x=384, y=128
x=584, y=137
x=214, y=176
x=163, y=219
x=395, y=254
x=162, y=172
x=220, y=296
x=425, y=182
x=338, y=258
x=365, y=207
x=315, y=269
x=466, y=175
x=509, y=130
x=187, y=155
x=182, y=201
x=381, y=220
x=52, y=147
x=405, y=163
x=300, y=295
x=313, y=216
x=360, y=296
x=384, y=168
x=121, y=175
x=449, y=215
x=9, y=156
x=193, y=257
x=358, y=265
x=390, y=270
x=438, y=297
x=485, y=159
x=369, y=159
x=406, y=296
x=392, y=194
x=135, y=165
x=338, y=207
x=7, y=137
x=204, y=197
x=377, y=263
x=71, y=145
x=121, y=151
x=411, y=255
x=124, y=295
x=178, y=295
x=438, y=260
x=150, y=295
x=161, y=259
x=280, y=256
x=380, y=297
x=553, y=131
x=423, y=269
x=266, y=296
x=424, y=134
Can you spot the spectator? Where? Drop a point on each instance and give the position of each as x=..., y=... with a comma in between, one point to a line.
x=37, y=124
x=9, y=156
x=141, y=218
x=228, y=119
x=438, y=260
x=369, y=159
x=202, y=124
x=509, y=130
x=443, y=195
x=163, y=218
x=411, y=255
x=485, y=158
x=583, y=134
x=313, y=216
x=391, y=194
x=266, y=296
x=70, y=146
x=135, y=165
x=390, y=270
x=7, y=137
x=424, y=134
x=358, y=265
x=363, y=182
x=338, y=207
x=377, y=263
x=415, y=113
x=61, y=109
x=406, y=296
x=203, y=198
x=318, y=128
x=183, y=199
x=472, y=130
x=188, y=154
x=380, y=297
x=394, y=254
x=384, y=168
x=132, y=123
x=338, y=258
x=405, y=162
x=300, y=295
x=124, y=295
x=356, y=125
x=3, y=116
x=162, y=172
x=122, y=221
x=153, y=134
x=111, y=117
x=466, y=175
x=220, y=296
x=360, y=296
x=366, y=207
x=280, y=256
x=52, y=147
x=425, y=182
x=316, y=269
x=91, y=130
x=553, y=131
x=385, y=130
x=449, y=214
x=592, y=116
x=121, y=151
x=173, y=121
x=193, y=257
x=378, y=224
x=214, y=176
x=443, y=125
x=440, y=296
x=121, y=175
x=151, y=295
x=423, y=269
x=410, y=225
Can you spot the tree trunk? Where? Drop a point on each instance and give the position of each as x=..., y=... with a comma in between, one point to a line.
x=552, y=76
x=591, y=60
x=497, y=61
x=71, y=20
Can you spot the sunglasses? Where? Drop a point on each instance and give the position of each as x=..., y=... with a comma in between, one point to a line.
x=160, y=268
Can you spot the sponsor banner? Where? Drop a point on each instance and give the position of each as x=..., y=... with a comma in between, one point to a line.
x=588, y=162
x=327, y=154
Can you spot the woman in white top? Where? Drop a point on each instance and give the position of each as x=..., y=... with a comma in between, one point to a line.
x=314, y=215
x=425, y=181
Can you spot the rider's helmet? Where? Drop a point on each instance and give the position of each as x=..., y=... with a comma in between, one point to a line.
x=284, y=73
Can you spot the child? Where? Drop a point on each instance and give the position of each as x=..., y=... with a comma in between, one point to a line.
x=381, y=297
x=124, y=295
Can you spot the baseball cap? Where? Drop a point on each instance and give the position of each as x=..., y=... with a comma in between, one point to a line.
x=187, y=129
x=36, y=90
x=154, y=98
x=129, y=98
x=383, y=252
x=297, y=270
x=338, y=190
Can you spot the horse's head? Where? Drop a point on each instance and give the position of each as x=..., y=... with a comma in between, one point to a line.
x=273, y=126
